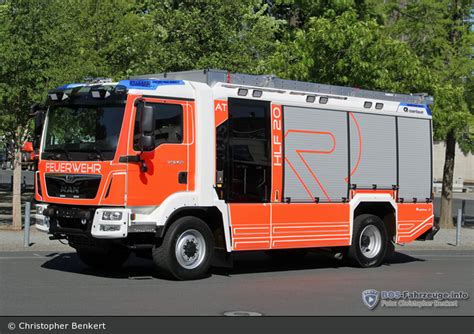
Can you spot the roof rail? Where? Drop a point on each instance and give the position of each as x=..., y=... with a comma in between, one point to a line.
x=211, y=77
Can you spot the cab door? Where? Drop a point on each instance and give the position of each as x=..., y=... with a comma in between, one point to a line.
x=169, y=167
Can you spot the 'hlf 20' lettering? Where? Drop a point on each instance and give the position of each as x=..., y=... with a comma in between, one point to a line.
x=277, y=152
x=277, y=135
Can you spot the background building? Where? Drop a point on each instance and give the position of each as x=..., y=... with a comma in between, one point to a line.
x=463, y=167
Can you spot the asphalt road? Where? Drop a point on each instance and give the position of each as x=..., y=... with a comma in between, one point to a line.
x=59, y=284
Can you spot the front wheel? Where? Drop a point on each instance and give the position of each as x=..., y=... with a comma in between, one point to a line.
x=186, y=250
x=369, y=241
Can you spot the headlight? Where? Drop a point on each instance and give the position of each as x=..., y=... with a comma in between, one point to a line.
x=112, y=215
x=40, y=209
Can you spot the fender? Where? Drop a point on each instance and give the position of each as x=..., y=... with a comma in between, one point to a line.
x=360, y=198
x=160, y=215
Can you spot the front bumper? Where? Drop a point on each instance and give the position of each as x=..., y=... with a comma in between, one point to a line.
x=39, y=220
x=84, y=221
x=110, y=229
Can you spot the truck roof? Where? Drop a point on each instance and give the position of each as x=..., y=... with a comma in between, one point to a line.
x=212, y=76
x=226, y=83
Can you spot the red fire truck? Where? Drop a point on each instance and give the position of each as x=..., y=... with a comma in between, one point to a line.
x=186, y=166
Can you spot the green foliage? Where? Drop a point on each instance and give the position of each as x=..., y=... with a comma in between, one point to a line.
x=36, y=55
x=299, y=12
x=233, y=35
x=440, y=34
x=344, y=50
x=44, y=44
x=112, y=39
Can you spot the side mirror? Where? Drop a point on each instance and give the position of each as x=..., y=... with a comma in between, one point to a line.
x=27, y=147
x=38, y=111
x=147, y=126
x=147, y=142
x=147, y=119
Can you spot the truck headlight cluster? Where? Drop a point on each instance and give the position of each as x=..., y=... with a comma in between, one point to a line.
x=112, y=215
x=40, y=209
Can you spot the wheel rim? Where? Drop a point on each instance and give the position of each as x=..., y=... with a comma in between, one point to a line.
x=190, y=249
x=370, y=241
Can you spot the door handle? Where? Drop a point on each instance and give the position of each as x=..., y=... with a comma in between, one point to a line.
x=183, y=177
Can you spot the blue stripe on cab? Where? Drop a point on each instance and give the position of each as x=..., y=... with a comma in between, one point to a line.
x=426, y=107
x=148, y=84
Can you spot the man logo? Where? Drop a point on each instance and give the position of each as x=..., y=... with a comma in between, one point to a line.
x=69, y=179
x=370, y=298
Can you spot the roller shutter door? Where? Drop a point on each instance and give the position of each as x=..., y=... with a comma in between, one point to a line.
x=316, y=154
x=414, y=137
x=373, y=150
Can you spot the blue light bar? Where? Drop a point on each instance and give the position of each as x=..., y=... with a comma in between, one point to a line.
x=70, y=86
x=148, y=84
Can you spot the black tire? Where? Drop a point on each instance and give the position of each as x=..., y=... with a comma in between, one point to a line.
x=356, y=254
x=164, y=255
x=287, y=255
x=390, y=253
x=110, y=258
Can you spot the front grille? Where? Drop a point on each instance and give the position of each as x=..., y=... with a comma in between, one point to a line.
x=72, y=185
x=74, y=223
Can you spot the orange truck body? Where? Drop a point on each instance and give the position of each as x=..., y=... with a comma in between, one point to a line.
x=281, y=167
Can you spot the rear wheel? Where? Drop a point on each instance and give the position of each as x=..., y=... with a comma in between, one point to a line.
x=186, y=250
x=369, y=241
x=110, y=258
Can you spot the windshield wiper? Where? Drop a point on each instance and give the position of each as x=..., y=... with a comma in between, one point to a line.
x=59, y=150
x=99, y=153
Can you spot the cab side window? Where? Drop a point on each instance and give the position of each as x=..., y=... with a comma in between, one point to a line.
x=168, y=124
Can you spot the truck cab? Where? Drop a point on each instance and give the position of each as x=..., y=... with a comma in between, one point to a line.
x=100, y=186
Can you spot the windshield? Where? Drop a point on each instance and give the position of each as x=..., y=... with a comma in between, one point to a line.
x=82, y=132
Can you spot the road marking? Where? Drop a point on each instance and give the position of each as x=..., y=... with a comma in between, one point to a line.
x=22, y=257
x=242, y=314
x=140, y=277
x=461, y=255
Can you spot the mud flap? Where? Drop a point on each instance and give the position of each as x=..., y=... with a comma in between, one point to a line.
x=222, y=259
x=429, y=235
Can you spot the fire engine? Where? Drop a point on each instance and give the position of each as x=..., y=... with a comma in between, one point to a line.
x=190, y=167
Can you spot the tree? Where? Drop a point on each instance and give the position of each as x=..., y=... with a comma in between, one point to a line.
x=232, y=35
x=22, y=56
x=37, y=52
x=344, y=50
x=439, y=32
